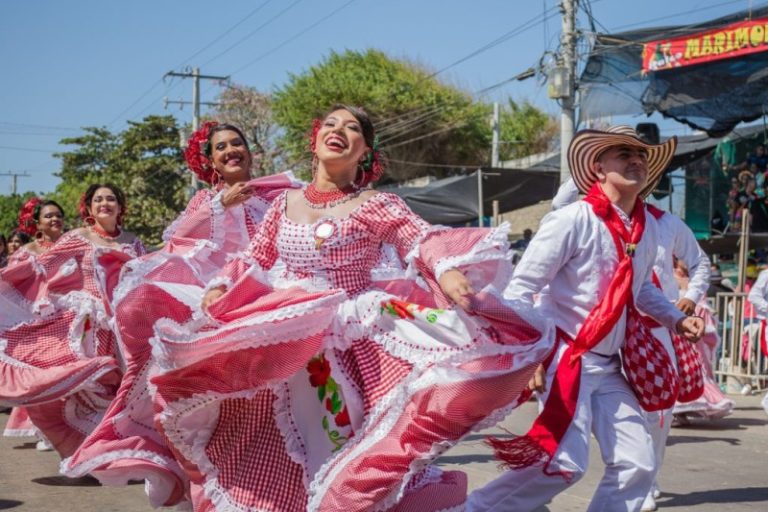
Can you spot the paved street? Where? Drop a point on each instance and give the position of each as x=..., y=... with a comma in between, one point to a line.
x=720, y=466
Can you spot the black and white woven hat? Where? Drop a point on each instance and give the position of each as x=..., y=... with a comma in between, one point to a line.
x=588, y=145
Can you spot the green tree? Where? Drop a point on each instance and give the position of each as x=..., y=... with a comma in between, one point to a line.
x=9, y=211
x=419, y=119
x=251, y=111
x=524, y=130
x=145, y=161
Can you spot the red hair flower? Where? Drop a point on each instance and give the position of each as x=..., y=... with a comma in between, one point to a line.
x=195, y=153
x=27, y=220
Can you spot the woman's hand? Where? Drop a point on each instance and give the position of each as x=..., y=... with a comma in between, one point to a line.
x=212, y=296
x=457, y=288
x=538, y=382
x=235, y=194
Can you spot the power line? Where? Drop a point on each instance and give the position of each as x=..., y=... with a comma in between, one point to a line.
x=228, y=30
x=293, y=37
x=252, y=33
x=40, y=126
x=34, y=150
x=501, y=39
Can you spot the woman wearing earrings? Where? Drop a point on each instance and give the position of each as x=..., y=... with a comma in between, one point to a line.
x=16, y=240
x=43, y=221
x=218, y=222
x=329, y=382
x=59, y=357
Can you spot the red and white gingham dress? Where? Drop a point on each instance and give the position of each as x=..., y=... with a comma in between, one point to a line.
x=330, y=377
x=164, y=284
x=58, y=352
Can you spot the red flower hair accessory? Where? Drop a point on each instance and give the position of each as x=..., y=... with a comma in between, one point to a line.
x=316, y=124
x=27, y=221
x=82, y=208
x=197, y=152
x=373, y=166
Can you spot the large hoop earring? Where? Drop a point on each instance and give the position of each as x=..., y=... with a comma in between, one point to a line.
x=90, y=221
x=39, y=235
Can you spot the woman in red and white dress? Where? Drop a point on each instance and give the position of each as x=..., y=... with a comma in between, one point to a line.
x=58, y=355
x=713, y=403
x=218, y=222
x=348, y=347
x=43, y=221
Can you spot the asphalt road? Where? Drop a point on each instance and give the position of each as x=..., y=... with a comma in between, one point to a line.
x=710, y=467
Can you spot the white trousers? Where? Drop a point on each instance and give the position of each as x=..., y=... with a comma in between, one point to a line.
x=660, y=422
x=606, y=407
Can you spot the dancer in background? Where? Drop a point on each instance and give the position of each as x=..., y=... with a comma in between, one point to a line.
x=329, y=382
x=43, y=222
x=59, y=360
x=218, y=222
x=713, y=403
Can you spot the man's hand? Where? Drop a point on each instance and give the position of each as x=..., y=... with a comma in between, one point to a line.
x=457, y=288
x=538, y=382
x=212, y=296
x=691, y=328
x=687, y=306
x=235, y=194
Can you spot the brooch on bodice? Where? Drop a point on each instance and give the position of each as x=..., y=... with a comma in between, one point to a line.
x=323, y=231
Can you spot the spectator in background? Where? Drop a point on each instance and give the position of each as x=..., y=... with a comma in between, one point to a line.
x=16, y=239
x=523, y=242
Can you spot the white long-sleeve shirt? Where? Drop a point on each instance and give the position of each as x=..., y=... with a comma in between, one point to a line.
x=571, y=261
x=758, y=294
x=677, y=239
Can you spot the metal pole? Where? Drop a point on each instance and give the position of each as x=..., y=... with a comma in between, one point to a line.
x=495, y=204
x=480, y=213
x=567, y=114
x=495, y=128
x=195, y=99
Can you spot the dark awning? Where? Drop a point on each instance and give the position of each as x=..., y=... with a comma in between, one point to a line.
x=713, y=96
x=454, y=200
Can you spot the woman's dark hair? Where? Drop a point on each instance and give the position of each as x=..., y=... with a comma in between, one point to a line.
x=3, y=242
x=21, y=236
x=47, y=202
x=91, y=191
x=369, y=133
x=224, y=127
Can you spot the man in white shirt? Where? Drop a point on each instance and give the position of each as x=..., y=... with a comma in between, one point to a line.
x=758, y=297
x=591, y=263
x=676, y=240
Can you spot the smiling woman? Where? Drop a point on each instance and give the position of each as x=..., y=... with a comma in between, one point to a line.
x=60, y=357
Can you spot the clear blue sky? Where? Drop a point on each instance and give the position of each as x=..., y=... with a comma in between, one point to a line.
x=68, y=64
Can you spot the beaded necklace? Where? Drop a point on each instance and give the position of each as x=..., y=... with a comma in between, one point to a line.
x=104, y=234
x=319, y=199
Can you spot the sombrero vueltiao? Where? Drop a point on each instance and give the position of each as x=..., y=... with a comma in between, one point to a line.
x=587, y=145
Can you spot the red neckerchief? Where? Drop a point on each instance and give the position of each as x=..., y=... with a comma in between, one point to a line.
x=542, y=440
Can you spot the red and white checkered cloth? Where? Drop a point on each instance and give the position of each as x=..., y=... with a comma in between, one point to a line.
x=332, y=394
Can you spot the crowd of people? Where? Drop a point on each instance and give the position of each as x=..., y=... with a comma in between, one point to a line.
x=316, y=346
x=748, y=191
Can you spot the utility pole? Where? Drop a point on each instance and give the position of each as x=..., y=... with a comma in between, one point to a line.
x=567, y=115
x=195, y=75
x=15, y=176
x=495, y=128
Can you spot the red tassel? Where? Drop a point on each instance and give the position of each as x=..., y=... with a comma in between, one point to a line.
x=518, y=453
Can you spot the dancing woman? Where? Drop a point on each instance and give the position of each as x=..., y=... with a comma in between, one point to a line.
x=330, y=381
x=218, y=222
x=58, y=356
x=43, y=220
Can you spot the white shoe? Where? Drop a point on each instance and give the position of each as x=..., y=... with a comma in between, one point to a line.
x=649, y=504
x=656, y=493
x=746, y=390
x=43, y=446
